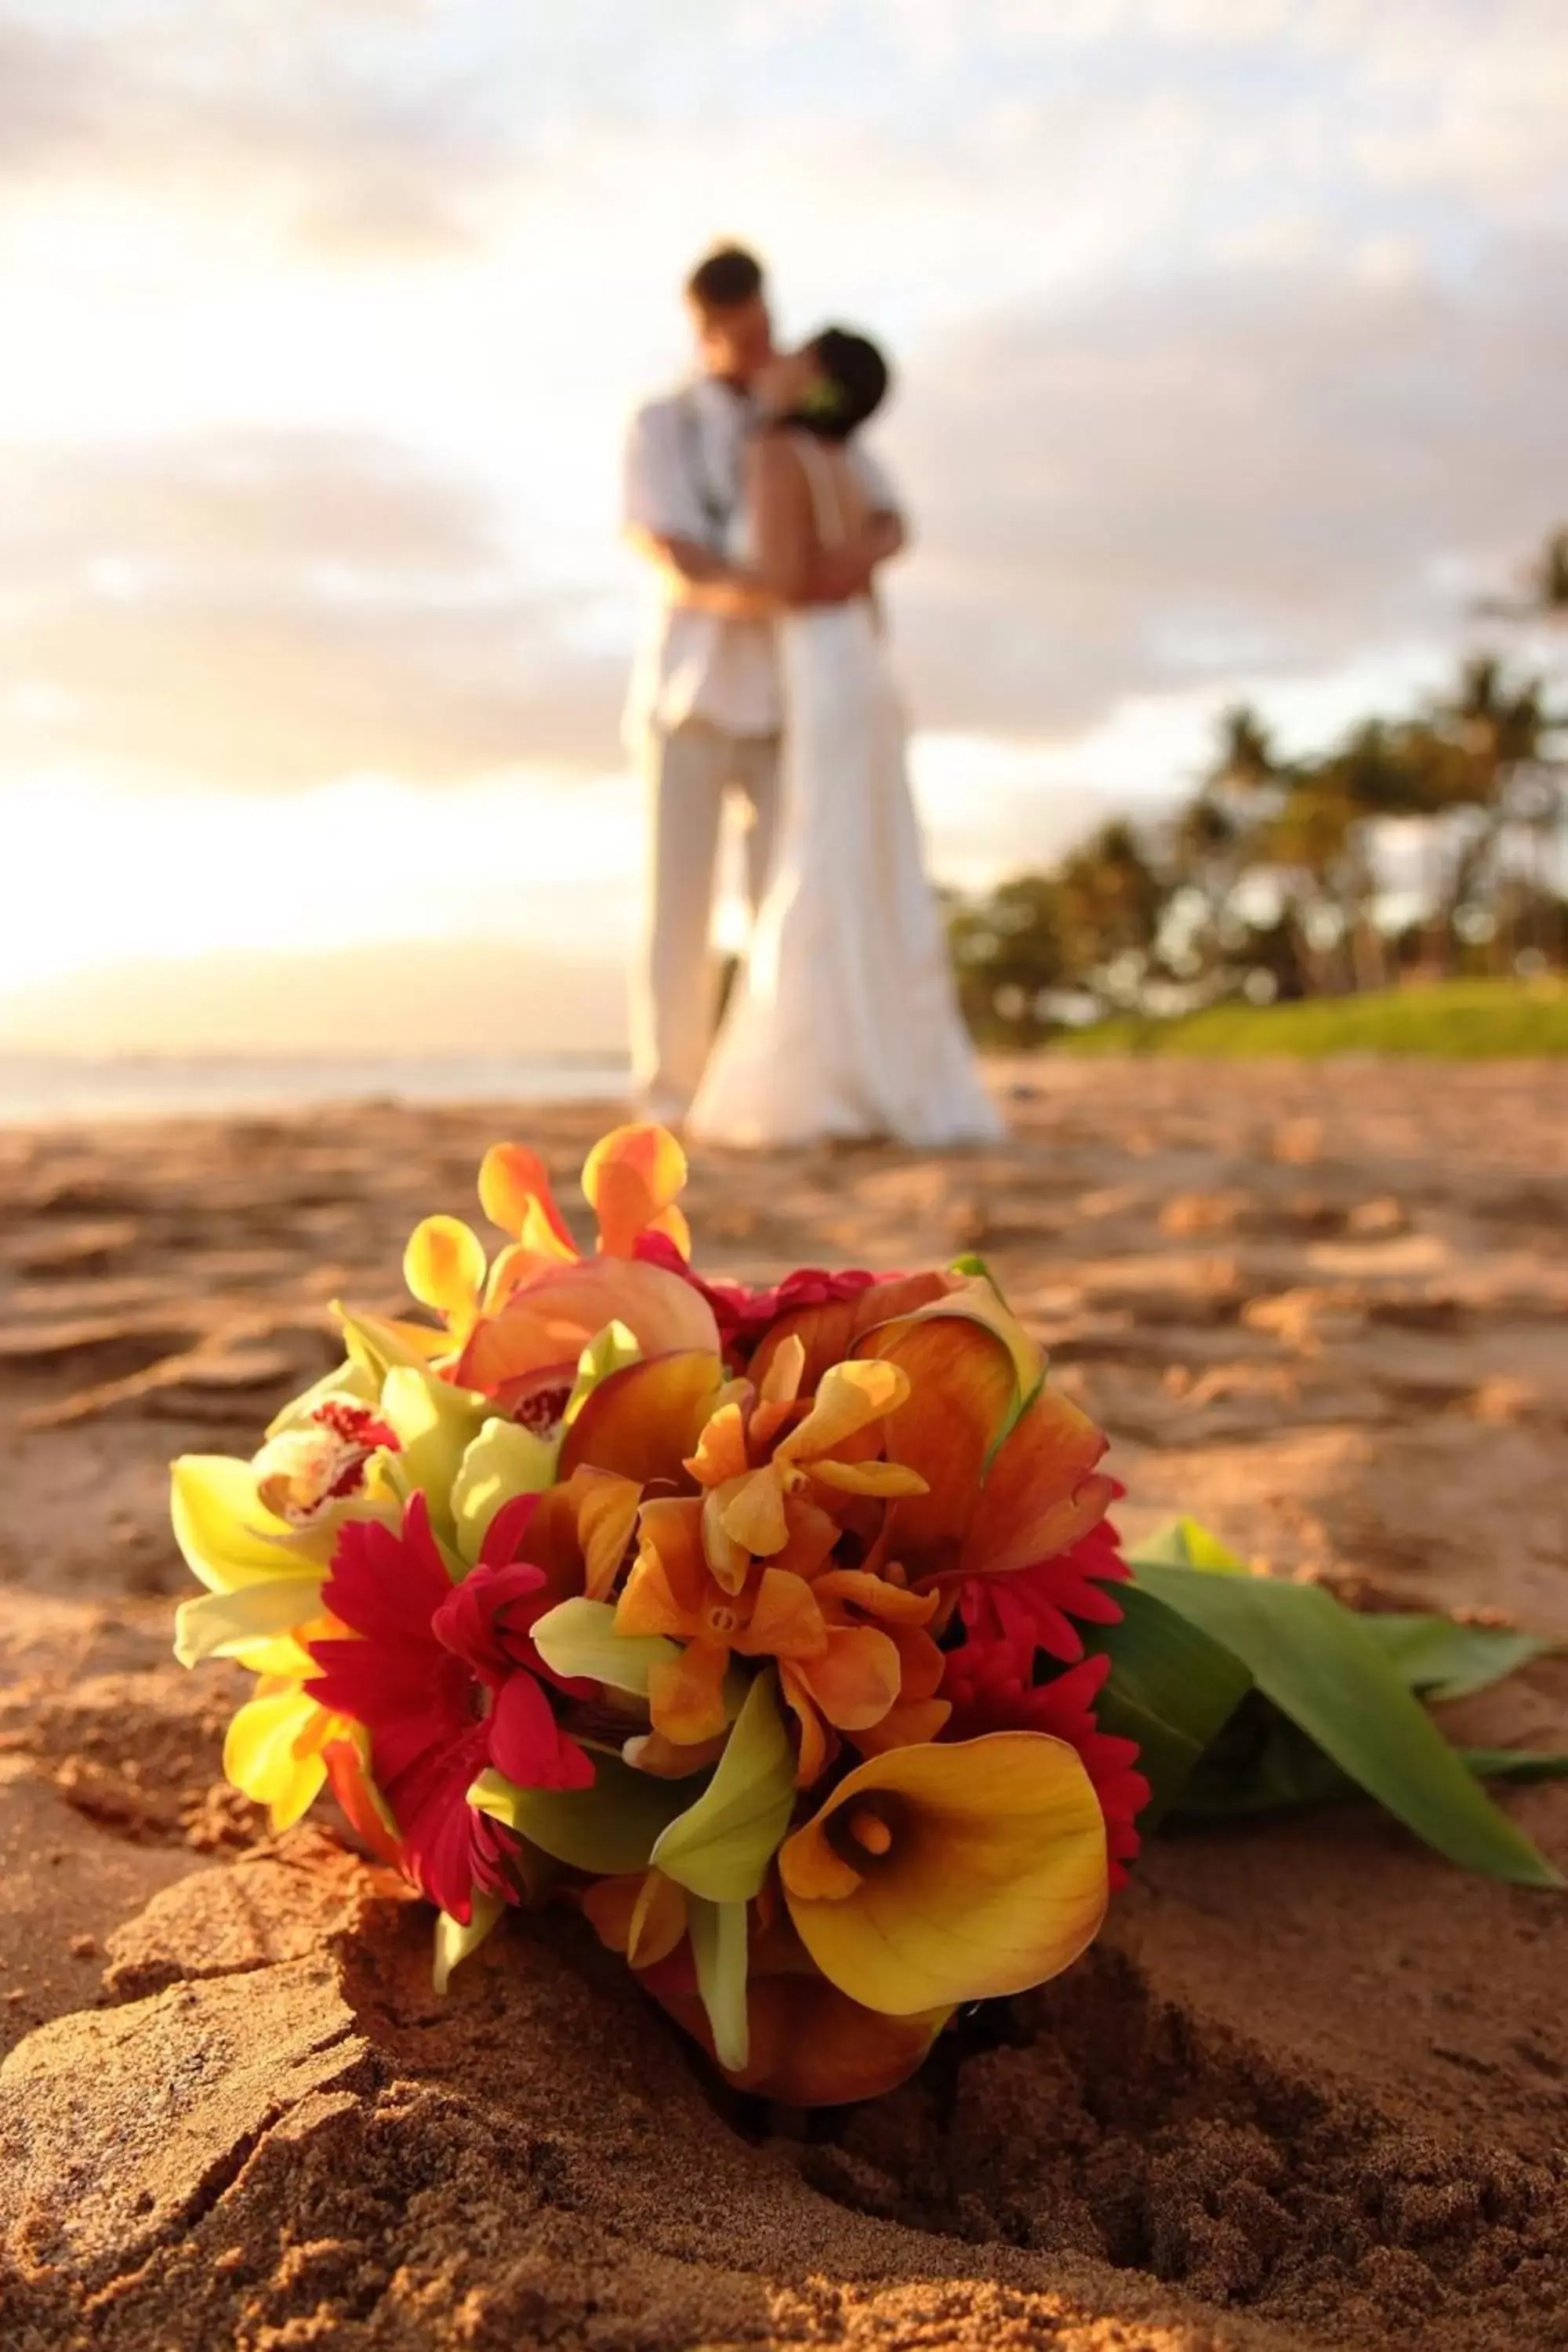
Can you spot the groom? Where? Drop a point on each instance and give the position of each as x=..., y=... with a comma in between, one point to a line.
x=704, y=715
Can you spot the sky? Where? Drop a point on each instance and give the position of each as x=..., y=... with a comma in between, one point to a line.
x=1231, y=339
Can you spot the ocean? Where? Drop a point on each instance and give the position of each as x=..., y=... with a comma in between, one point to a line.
x=44, y=1089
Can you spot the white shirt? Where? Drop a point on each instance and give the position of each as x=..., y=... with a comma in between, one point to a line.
x=683, y=480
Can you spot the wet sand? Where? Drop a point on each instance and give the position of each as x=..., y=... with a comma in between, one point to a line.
x=1310, y=2090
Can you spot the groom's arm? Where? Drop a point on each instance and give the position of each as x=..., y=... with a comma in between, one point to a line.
x=700, y=577
x=663, y=523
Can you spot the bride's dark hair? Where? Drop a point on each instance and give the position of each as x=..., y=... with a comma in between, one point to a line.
x=854, y=381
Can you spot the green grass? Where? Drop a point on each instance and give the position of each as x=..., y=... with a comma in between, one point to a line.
x=1459, y=1020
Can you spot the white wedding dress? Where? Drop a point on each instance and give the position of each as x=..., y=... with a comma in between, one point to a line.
x=843, y=1022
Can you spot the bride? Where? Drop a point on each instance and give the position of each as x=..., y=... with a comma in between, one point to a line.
x=843, y=1023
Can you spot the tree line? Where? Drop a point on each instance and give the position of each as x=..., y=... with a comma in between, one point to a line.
x=1427, y=843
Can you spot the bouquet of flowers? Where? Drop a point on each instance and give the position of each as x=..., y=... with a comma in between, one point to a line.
x=780, y=1631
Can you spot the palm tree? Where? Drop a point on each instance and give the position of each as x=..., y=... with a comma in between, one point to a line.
x=1112, y=897
x=1499, y=727
x=1545, y=596
x=1245, y=758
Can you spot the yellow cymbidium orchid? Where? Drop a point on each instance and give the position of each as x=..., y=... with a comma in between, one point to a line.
x=263, y=1576
x=275, y=1751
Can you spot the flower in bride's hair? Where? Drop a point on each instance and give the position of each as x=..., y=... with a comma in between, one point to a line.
x=446, y=1682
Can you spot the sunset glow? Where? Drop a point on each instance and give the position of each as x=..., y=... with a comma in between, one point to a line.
x=1230, y=340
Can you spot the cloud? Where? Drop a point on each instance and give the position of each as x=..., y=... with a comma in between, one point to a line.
x=274, y=611
x=298, y=128
x=1229, y=331
x=1272, y=469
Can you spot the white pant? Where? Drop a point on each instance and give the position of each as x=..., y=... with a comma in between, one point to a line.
x=690, y=770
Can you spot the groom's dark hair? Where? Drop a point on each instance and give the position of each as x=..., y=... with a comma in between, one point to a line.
x=724, y=279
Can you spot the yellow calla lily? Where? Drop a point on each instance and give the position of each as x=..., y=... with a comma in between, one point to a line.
x=939, y=1874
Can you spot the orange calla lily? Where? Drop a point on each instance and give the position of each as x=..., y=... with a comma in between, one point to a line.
x=829, y=1333
x=546, y=1322
x=643, y=1421
x=938, y=1874
x=989, y=1508
x=579, y=1532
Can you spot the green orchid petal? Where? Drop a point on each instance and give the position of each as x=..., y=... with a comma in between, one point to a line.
x=579, y=1637
x=718, y=1932
x=720, y=1847
x=434, y=1424
x=502, y=1462
x=609, y=1829
x=378, y=1346
x=610, y=1350
x=454, y=1942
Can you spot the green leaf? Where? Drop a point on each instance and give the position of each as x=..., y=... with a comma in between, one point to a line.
x=720, y=1847
x=579, y=1637
x=718, y=1932
x=1519, y=1765
x=1315, y=1660
x=1443, y=1661
x=502, y=1462
x=454, y=1942
x=1183, y=1543
x=1263, y=1764
x=610, y=1829
x=1171, y=1688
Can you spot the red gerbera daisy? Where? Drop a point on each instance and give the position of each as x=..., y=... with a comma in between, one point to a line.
x=447, y=1681
x=989, y=1678
x=1034, y=1608
x=744, y=1315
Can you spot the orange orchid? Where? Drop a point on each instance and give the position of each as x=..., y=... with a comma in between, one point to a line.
x=519, y=1324
x=749, y=1568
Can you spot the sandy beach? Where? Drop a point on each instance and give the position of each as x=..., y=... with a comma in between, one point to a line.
x=1310, y=2090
